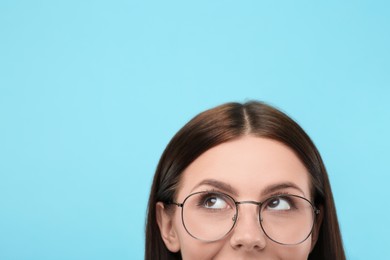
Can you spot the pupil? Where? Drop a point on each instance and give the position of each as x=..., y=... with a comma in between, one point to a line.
x=210, y=202
x=274, y=203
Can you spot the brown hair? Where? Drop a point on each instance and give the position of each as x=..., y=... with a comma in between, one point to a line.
x=231, y=121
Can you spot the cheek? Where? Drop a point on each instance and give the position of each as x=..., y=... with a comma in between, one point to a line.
x=196, y=250
x=193, y=249
x=297, y=252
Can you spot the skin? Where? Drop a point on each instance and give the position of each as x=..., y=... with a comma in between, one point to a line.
x=247, y=168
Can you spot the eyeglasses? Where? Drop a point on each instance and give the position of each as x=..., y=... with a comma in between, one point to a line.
x=285, y=219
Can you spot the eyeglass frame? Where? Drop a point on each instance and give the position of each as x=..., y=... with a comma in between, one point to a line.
x=316, y=212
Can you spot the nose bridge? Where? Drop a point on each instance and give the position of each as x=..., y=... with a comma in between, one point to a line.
x=248, y=234
x=244, y=214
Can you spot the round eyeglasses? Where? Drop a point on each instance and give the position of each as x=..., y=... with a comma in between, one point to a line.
x=285, y=219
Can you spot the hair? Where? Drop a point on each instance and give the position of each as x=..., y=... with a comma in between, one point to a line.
x=225, y=123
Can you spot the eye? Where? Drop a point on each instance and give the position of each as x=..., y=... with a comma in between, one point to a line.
x=214, y=201
x=278, y=203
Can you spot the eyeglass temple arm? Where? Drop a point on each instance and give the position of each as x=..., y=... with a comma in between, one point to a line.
x=175, y=203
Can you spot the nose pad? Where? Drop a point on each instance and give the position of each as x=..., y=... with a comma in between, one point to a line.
x=248, y=234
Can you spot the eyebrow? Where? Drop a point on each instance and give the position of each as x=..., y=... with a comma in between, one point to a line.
x=267, y=191
x=281, y=186
x=219, y=185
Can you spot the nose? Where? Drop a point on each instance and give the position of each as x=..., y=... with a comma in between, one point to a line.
x=247, y=234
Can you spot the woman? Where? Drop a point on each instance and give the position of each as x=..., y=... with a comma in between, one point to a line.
x=242, y=181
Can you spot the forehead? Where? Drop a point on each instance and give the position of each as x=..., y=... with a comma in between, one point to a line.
x=249, y=165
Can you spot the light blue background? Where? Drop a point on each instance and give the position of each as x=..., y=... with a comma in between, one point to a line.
x=92, y=91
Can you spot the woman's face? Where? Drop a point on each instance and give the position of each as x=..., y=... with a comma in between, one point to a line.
x=247, y=169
